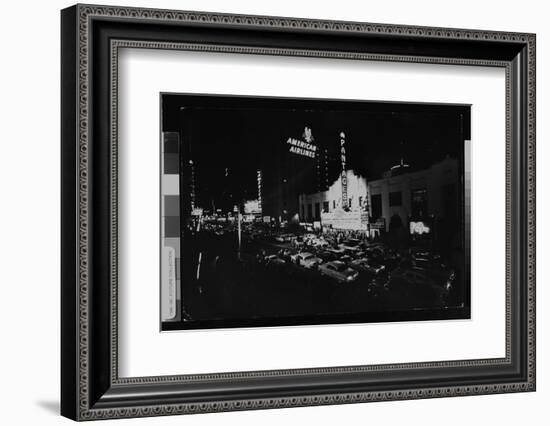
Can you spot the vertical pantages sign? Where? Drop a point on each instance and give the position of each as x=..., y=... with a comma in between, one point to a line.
x=344, y=175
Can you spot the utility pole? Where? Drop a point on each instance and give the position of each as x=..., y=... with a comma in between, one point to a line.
x=237, y=210
x=239, y=219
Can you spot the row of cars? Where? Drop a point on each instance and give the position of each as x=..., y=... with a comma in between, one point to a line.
x=410, y=273
x=335, y=269
x=413, y=272
x=343, y=262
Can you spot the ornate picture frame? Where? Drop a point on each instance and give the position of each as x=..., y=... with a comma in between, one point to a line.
x=91, y=37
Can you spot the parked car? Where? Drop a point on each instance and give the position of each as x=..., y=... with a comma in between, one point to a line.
x=274, y=259
x=339, y=271
x=275, y=262
x=306, y=259
x=442, y=275
x=424, y=254
x=376, y=254
x=413, y=276
x=367, y=265
x=392, y=259
x=359, y=254
x=327, y=256
x=351, y=245
x=378, y=286
x=285, y=238
x=345, y=258
x=318, y=242
x=418, y=285
x=335, y=251
x=285, y=254
x=427, y=263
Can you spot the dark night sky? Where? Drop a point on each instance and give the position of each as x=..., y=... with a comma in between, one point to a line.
x=245, y=134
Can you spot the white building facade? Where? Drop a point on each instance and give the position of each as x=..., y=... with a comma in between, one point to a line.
x=328, y=206
x=398, y=198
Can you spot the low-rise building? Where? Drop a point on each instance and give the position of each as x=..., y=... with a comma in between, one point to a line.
x=401, y=198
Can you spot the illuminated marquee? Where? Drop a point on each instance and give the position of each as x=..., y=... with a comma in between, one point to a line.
x=304, y=147
x=252, y=207
x=419, y=228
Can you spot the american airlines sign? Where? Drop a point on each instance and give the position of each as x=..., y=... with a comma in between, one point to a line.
x=304, y=147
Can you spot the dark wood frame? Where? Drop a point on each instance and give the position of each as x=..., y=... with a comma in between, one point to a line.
x=91, y=37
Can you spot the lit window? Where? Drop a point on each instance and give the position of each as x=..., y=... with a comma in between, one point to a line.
x=419, y=203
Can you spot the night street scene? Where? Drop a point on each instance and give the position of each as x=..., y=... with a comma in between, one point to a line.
x=291, y=211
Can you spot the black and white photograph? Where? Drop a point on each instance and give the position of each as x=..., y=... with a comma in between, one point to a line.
x=292, y=211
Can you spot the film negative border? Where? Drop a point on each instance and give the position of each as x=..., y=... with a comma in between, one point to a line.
x=170, y=227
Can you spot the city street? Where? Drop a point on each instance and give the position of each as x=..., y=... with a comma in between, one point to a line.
x=263, y=279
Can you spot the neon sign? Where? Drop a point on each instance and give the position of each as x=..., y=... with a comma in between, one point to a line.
x=419, y=228
x=304, y=147
x=344, y=175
